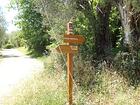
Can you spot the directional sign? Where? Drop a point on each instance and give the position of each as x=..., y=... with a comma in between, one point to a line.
x=70, y=39
x=67, y=49
x=74, y=39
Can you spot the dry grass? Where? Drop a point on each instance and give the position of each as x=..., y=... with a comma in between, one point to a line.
x=41, y=89
x=105, y=87
x=111, y=89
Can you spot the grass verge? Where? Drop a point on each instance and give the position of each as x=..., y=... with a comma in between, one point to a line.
x=40, y=89
x=49, y=88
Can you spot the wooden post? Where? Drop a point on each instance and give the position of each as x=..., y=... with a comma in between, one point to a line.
x=70, y=49
x=69, y=77
x=70, y=68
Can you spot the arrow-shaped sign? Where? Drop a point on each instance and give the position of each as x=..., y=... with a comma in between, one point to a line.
x=74, y=39
x=67, y=49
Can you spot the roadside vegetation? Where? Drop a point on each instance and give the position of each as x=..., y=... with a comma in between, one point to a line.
x=106, y=69
x=48, y=87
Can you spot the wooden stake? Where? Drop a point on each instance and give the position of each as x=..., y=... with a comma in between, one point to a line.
x=70, y=68
x=70, y=75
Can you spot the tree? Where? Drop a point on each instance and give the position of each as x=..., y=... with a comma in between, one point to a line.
x=31, y=23
x=15, y=39
x=56, y=14
x=130, y=21
x=2, y=28
x=98, y=18
x=103, y=41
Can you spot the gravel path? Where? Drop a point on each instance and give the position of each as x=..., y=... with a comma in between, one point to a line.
x=15, y=67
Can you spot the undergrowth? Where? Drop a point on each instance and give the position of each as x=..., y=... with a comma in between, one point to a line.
x=103, y=87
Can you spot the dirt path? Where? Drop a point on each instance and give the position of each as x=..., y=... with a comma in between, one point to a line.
x=15, y=67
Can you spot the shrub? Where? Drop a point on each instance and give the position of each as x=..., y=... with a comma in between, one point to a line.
x=9, y=46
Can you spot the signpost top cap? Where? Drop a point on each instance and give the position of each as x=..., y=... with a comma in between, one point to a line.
x=69, y=28
x=70, y=22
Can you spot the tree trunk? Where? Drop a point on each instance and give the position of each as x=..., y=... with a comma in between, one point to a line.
x=98, y=25
x=130, y=18
x=103, y=41
x=131, y=24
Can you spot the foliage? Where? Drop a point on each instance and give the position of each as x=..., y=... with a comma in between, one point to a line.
x=34, y=32
x=136, y=4
x=128, y=67
x=3, y=25
x=15, y=38
x=8, y=46
x=115, y=28
x=56, y=13
x=81, y=28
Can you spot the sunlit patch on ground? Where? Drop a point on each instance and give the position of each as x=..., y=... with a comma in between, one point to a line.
x=15, y=67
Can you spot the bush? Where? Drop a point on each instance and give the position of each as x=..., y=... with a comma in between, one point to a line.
x=9, y=46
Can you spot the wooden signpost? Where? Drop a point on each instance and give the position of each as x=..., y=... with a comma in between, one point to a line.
x=70, y=49
x=67, y=49
x=74, y=39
